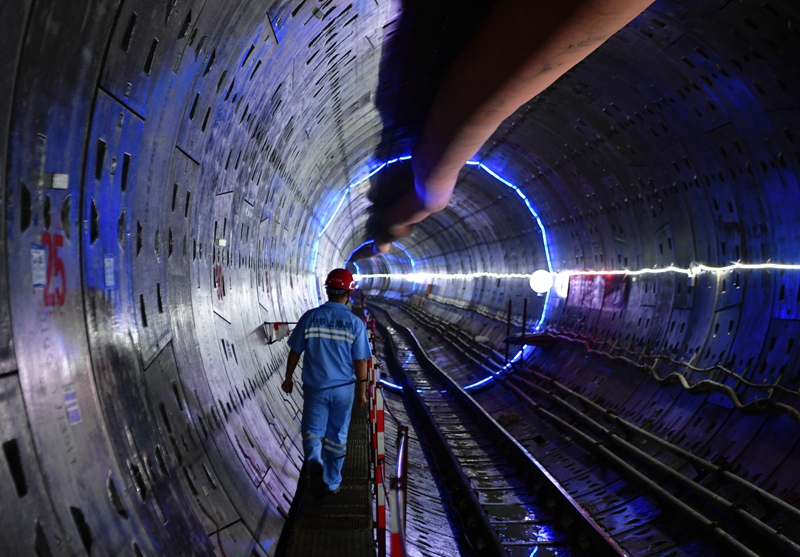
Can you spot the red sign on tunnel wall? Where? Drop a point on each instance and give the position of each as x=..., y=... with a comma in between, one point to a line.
x=598, y=291
x=219, y=281
x=48, y=269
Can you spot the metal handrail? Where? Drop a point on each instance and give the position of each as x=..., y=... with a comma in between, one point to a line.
x=398, y=498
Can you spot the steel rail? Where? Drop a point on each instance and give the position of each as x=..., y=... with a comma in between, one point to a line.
x=480, y=535
x=760, y=405
x=691, y=458
x=667, y=497
x=779, y=541
x=770, y=534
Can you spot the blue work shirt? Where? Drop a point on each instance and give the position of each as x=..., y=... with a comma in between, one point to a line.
x=331, y=337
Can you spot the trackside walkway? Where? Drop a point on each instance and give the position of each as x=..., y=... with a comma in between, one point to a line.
x=339, y=524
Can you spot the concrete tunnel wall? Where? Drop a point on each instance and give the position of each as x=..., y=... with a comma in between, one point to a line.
x=169, y=167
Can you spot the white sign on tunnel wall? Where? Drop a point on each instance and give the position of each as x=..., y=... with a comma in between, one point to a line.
x=71, y=405
x=37, y=266
x=108, y=271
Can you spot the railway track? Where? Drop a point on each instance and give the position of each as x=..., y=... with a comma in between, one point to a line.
x=432, y=526
x=508, y=505
x=632, y=481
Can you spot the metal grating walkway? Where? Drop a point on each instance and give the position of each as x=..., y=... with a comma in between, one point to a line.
x=340, y=524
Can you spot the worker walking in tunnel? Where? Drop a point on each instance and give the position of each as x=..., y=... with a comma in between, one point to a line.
x=336, y=352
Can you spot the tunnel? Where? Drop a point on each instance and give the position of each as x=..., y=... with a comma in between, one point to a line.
x=178, y=173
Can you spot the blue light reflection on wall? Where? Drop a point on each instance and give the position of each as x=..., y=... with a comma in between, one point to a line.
x=410, y=258
x=355, y=249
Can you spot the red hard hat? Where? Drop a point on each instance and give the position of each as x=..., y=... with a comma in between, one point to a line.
x=341, y=279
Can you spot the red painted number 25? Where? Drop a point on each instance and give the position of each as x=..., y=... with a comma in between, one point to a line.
x=54, y=295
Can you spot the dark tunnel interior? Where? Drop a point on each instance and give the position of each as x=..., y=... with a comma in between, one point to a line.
x=175, y=173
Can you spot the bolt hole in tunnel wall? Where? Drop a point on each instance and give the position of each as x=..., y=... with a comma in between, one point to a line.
x=170, y=177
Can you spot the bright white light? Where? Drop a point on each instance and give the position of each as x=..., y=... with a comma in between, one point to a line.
x=562, y=277
x=425, y=277
x=695, y=269
x=541, y=281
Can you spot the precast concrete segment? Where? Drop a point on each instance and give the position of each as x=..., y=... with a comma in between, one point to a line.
x=166, y=166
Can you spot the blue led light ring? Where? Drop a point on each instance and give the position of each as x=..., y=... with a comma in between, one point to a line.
x=519, y=355
x=326, y=221
x=491, y=173
x=539, y=222
x=527, y=202
x=410, y=259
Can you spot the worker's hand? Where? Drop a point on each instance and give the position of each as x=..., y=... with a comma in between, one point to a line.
x=362, y=399
x=287, y=386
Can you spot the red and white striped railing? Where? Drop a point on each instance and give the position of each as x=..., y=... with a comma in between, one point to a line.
x=379, y=457
x=397, y=498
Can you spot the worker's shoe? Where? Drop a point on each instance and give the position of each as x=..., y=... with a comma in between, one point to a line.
x=318, y=487
x=334, y=491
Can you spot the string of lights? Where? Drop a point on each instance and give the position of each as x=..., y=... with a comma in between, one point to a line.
x=694, y=270
x=424, y=277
